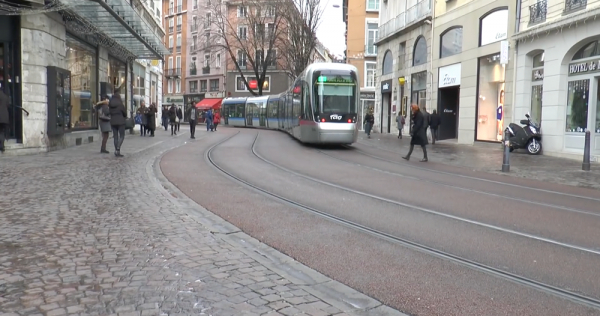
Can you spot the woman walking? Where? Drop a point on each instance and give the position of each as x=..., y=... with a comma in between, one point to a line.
x=143, y=118
x=104, y=121
x=419, y=133
x=369, y=121
x=400, y=121
x=151, y=119
x=216, y=119
x=118, y=115
x=173, y=119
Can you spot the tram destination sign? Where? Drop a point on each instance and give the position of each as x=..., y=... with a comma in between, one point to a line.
x=336, y=79
x=585, y=67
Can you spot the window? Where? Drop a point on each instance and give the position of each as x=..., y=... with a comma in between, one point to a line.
x=537, y=88
x=243, y=32
x=195, y=4
x=178, y=62
x=82, y=64
x=372, y=5
x=259, y=58
x=259, y=31
x=203, y=86
x=451, y=42
x=170, y=62
x=420, y=52
x=402, y=56
x=207, y=35
x=206, y=60
x=170, y=41
x=490, y=99
x=240, y=86
x=179, y=20
x=214, y=84
x=270, y=30
x=272, y=58
x=494, y=27
x=270, y=11
x=590, y=50
x=207, y=21
x=157, y=12
x=372, y=31
x=577, y=105
x=178, y=40
x=177, y=85
x=388, y=61
x=370, y=68
x=194, y=42
x=241, y=58
x=170, y=86
x=193, y=86
x=194, y=23
x=242, y=11
x=218, y=61
x=171, y=22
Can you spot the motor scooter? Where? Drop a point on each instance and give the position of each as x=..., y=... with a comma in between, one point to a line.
x=529, y=136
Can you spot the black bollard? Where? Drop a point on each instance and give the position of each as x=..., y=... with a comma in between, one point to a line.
x=586, y=152
x=506, y=159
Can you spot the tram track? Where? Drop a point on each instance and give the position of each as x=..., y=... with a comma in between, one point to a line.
x=581, y=299
x=457, y=187
x=362, y=152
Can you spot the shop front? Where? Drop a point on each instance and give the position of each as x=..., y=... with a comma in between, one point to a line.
x=490, y=99
x=449, y=78
x=82, y=62
x=367, y=102
x=386, y=106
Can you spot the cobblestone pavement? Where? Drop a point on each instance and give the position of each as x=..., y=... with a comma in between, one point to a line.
x=88, y=234
x=488, y=157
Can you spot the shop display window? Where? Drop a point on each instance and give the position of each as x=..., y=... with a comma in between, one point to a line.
x=490, y=101
x=577, y=106
x=81, y=61
x=117, y=77
x=536, y=102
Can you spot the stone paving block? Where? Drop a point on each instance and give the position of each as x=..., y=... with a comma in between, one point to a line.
x=113, y=241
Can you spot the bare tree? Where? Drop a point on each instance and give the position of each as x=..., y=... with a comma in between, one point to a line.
x=303, y=20
x=248, y=31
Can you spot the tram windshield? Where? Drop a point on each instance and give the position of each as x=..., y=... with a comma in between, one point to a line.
x=335, y=92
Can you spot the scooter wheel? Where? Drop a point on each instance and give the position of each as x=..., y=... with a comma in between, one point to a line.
x=534, y=147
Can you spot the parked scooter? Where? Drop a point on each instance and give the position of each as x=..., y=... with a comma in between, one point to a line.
x=529, y=136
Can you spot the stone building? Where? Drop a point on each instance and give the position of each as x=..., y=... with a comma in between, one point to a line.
x=56, y=64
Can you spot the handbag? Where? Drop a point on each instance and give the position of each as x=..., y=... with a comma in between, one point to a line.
x=138, y=119
x=104, y=117
x=129, y=123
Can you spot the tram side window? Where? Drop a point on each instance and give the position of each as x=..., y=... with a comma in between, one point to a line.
x=239, y=110
x=273, y=108
x=306, y=102
x=297, y=100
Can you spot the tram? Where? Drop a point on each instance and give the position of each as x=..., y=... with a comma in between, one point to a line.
x=319, y=108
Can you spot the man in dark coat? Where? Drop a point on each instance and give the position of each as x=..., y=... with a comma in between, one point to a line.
x=419, y=133
x=434, y=122
x=4, y=119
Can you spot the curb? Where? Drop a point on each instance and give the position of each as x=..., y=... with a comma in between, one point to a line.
x=330, y=291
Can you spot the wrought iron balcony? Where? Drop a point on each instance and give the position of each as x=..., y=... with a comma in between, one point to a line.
x=537, y=12
x=574, y=5
x=205, y=70
x=412, y=15
x=172, y=72
x=193, y=71
x=179, y=28
x=179, y=49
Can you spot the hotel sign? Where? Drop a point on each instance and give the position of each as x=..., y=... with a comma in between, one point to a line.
x=585, y=67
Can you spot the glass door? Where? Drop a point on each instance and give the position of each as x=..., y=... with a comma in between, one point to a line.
x=10, y=86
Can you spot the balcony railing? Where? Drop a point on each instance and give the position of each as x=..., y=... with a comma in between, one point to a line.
x=370, y=50
x=193, y=90
x=170, y=29
x=193, y=71
x=537, y=12
x=205, y=70
x=179, y=28
x=574, y=5
x=179, y=49
x=415, y=13
x=172, y=72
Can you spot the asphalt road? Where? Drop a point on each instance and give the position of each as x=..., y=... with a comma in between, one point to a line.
x=544, y=232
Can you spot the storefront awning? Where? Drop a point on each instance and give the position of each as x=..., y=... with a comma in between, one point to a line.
x=206, y=104
x=118, y=21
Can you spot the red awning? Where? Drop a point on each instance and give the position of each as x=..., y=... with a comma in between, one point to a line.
x=206, y=104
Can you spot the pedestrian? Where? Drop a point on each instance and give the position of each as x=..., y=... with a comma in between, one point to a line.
x=173, y=119
x=400, y=121
x=193, y=113
x=369, y=121
x=151, y=119
x=419, y=134
x=434, y=122
x=104, y=121
x=217, y=119
x=4, y=119
x=179, y=118
x=118, y=116
x=141, y=113
x=209, y=120
x=165, y=117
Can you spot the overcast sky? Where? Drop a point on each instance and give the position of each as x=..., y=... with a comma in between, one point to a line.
x=332, y=28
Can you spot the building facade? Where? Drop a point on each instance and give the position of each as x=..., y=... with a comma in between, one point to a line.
x=362, y=28
x=557, y=73
x=175, y=24
x=403, y=67
x=205, y=74
x=472, y=87
x=56, y=65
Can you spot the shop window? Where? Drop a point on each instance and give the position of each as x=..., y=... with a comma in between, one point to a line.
x=537, y=88
x=494, y=27
x=388, y=61
x=451, y=41
x=420, y=51
x=419, y=89
x=490, y=101
x=590, y=50
x=577, y=105
x=84, y=84
x=139, y=84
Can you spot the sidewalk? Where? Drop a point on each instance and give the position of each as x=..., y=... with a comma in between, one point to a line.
x=487, y=157
x=83, y=233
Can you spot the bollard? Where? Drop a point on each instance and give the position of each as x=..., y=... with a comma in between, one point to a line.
x=586, y=152
x=506, y=158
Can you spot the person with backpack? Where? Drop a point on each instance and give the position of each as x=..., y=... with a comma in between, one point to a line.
x=209, y=120
x=400, y=120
